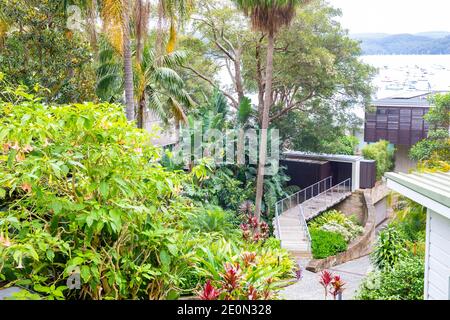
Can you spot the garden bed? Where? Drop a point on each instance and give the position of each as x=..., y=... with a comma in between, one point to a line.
x=359, y=247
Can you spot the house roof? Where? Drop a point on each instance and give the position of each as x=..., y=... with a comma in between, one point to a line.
x=407, y=99
x=299, y=155
x=429, y=189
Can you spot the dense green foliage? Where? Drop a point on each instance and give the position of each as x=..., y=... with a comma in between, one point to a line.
x=325, y=244
x=300, y=131
x=437, y=145
x=226, y=184
x=39, y=49
x=83, y=191
x=399, y=256
x=389, y=249
x=382, y=154
x=403, y=282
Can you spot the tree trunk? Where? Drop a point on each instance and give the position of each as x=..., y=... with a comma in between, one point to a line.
x=238, y=75
x=264, y=126
x=92, y=19
x=260, y=80
x=140, y=113
x=127, y=64
x=141, y=16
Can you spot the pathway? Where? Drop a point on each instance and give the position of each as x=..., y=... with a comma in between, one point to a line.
x=308, y=288
x=294, y=233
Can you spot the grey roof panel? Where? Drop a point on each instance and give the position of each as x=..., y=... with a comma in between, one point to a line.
x=417, y=99
x=432, y=185
x=292, y=155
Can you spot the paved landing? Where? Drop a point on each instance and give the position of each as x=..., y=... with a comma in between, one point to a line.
x=309, y=288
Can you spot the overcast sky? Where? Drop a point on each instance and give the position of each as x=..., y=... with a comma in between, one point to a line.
x=394, y=16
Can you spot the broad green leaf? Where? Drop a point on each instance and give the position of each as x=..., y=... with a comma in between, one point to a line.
x=104, y=189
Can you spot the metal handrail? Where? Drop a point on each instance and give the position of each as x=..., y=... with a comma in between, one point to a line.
x=279, y=206
x=327, y=182
x=345, y=184
x=305, y=225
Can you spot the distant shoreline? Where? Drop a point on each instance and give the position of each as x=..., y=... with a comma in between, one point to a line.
x=437, y=43
x=405, y=54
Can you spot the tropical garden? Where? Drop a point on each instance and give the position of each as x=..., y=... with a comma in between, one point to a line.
x=84, y=191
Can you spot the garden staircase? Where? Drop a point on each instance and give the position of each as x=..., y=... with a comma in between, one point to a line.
x=293, y=212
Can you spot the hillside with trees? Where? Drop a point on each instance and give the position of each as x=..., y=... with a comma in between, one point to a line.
x=422, y=43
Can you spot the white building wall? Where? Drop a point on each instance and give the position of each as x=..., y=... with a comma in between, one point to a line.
x=437, y=263
x=163, y=136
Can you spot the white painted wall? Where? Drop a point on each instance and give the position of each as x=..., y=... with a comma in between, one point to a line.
x=437, y=257
x=162, y=136
x=381, y=212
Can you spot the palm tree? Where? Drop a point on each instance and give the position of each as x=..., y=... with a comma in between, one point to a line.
x=268, y=17
x=141, y=17
x=91, y=21
x=116, y=22
x=175, y=11
x=158, y=87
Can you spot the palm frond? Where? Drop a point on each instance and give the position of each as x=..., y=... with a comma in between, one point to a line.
x=170, y=47
x=168, y=76
x=177, y=110
x=112, y=16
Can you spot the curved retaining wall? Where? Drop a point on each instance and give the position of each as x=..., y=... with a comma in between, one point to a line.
x=360, y=246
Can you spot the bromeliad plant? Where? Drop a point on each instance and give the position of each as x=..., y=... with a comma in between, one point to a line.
x=254, y=230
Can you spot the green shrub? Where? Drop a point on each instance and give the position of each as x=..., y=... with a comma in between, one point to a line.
x=390, y=248
x=343, y=145
x=410, y=218
x=214, y=219
x=404, y=282
x=382, y=154
x=325, y=244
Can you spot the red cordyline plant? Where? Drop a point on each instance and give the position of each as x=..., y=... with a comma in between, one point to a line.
x=326, y=278
x=254, y=231
x=233, y=285
x=337, y=286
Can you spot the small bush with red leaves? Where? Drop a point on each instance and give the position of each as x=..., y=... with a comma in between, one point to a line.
x=254, y=230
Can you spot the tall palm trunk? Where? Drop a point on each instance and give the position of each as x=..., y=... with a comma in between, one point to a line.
x=264, y=126
x=92, y=20
x=140, y=114
x=127, y=63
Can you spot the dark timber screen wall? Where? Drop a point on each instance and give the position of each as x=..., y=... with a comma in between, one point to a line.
x=306, y=173
x=368, y=174
x=398, y=125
